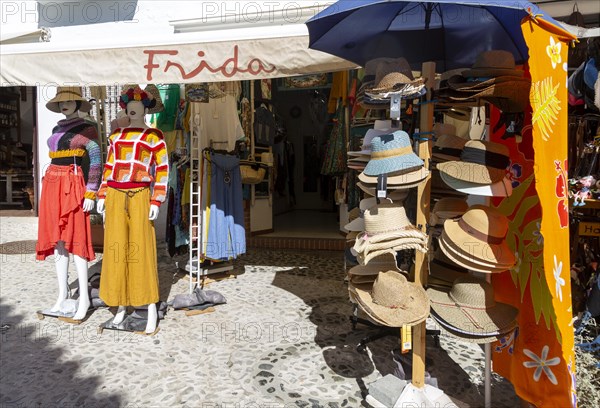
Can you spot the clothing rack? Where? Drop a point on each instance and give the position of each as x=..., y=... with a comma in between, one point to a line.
x=197, y=222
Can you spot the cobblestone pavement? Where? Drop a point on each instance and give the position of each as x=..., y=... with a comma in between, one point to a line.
x=282, y=340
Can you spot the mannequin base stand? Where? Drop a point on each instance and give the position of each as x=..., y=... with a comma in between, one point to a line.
x=130, y=324
x=63, y=317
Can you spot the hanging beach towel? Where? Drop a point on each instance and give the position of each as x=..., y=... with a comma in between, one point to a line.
x=334, y=162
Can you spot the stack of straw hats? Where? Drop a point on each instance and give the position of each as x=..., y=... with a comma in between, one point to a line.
x=387, y=230
x=467, y=310
x=493, y=78
x=387, y=76
x=477, y=240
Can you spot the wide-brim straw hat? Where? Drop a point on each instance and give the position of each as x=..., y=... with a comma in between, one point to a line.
x=394, y=301
x=371, y=188
x=493, y=63
x=392, y=153
x=398, y=178
x=395, y=197
x=68, y=93
x=469, y=306
x=385, y=218
x=153, y=90
x=480, y=162
x=444, y=270
x=390, y=248
x=385, y=262
x=502, y=188
x=461, y=113
x=481, y=233
x=509, y=97
x=448, y=148
x=447, y=207
x=467, y=261
x=469, y=338
x=366, y=147
x=390, y=74
x=354, y=299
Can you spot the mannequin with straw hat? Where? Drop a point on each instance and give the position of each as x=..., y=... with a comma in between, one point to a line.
x=66, y=200
x=134, y=185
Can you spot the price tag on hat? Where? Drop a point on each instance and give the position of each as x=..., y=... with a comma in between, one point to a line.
x=382, y=186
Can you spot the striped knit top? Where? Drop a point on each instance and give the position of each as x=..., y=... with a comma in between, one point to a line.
x=73, y=138
x=137, y=155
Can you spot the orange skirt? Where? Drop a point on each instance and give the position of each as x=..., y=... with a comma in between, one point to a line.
x=61, y=216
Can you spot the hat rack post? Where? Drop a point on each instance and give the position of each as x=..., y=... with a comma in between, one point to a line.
x=423, y=209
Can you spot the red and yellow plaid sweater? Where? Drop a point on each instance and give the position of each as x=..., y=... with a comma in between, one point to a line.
x=132, y=153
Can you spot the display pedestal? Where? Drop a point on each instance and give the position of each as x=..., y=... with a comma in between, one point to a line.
x=63, y=317
x=130, y=324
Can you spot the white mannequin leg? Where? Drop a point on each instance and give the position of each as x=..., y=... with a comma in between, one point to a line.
x=152, y=318
x=61, y=263
x=84, y=297
x=120, y=316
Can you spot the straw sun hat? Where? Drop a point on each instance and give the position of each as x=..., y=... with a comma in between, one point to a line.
x=68, y=93
x=447, y=207
x=478, y=237
x=502, y=188
x=387, y=229
x=469, y=307
x=393, y=300
x=392, y=153
x=480, y=162
x=493, y=63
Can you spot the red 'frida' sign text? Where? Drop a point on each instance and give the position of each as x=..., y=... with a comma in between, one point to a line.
x=228, y=68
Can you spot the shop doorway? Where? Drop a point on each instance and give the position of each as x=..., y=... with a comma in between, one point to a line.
x=303, y=199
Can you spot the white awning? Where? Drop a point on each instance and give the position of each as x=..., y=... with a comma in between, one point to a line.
x=8, y=36
x=217, y=55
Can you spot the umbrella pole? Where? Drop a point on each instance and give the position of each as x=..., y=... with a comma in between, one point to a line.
x=423, y=208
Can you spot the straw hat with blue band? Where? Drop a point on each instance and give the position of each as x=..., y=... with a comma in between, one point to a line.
x=392, y=153
x=481, y=163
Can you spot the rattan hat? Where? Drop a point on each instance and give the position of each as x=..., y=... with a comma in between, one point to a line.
x=493, y=63
x=153, y=90
x=480, y=162
x=394, y=300
x=481, y=233
x=68, y=93
x=469, y=306
x=502, y=188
